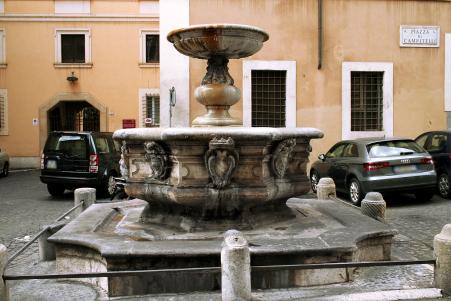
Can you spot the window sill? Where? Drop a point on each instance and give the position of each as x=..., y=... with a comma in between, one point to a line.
x=3, y=65
x=149, y=65
x=70, y=65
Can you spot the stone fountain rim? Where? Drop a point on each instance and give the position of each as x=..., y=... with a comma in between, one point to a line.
x=83, y=232
x=224, y=27
x=239, y=133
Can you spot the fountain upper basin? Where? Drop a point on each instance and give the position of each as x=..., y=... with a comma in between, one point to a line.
x=227, y=40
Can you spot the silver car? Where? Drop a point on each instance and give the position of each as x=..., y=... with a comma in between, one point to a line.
x=376, y=164
x=4, y=163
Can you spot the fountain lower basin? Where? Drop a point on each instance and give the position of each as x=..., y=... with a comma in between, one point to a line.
x=110, y=237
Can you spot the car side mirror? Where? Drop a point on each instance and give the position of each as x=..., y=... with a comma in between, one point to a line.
x=322, y=157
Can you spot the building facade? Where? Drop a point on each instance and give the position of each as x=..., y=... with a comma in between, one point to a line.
x=74, y=65
x=351, y=68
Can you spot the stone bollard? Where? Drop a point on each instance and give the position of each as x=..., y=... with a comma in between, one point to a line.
x=88, y=195
x=442, y=252
x=4, y=293
x=236, y=268
x=47, y=249
x=325, y=189
x=373, y=205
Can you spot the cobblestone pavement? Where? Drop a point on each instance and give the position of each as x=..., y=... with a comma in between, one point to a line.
x=25, y=207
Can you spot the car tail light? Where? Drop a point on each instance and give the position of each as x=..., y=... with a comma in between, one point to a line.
x=93, y=163
x=375, y=165
x=42, y=161
x=427, y=160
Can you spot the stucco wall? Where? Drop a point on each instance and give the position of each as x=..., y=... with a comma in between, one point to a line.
x=355, y=31
x=32, y=81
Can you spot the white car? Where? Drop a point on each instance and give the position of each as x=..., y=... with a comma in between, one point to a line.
x=4, y=163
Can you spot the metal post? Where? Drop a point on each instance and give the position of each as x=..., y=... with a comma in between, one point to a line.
x=325, y=189
x=4, y=292
x=172, y=102
x=236, y=268
x=442, y=252
x=85, y=195
x=373, y=205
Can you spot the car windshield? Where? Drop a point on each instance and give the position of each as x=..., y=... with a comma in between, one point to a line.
x=393, y=148
x=73, y=146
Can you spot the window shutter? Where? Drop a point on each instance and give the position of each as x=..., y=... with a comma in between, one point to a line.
x=144, y=109
x=3, y=113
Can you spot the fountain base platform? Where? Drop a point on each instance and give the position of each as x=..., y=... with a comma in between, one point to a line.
x=111, y=237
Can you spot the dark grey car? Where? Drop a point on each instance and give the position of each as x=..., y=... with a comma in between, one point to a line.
x=376, y=164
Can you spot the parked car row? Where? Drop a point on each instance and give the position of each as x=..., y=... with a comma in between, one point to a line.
x=388, y=165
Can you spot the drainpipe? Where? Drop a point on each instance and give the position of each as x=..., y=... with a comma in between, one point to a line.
x=320, y=34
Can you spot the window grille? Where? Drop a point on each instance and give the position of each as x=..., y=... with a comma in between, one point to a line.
x=151, y=109
x=367, y=101
x=152, y=48
x=268, y=98
x=3, y=112
x=73, y=48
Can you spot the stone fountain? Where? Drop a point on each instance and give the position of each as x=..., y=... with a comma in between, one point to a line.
x=192, y=184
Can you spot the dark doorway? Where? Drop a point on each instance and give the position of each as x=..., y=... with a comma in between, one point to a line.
x=73, y=116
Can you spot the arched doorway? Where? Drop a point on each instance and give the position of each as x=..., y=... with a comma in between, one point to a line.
x=90, y=114
x=73, y=116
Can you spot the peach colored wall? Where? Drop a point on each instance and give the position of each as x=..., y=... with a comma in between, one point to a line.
x=48, y=6
x=358, y=30
x=115, y=7
x=32, y=80
x=29, y=6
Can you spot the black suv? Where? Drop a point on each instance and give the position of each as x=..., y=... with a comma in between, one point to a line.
x=438, y=144
x=80, y=159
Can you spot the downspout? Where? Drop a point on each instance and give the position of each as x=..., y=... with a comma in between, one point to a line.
x=320, y=34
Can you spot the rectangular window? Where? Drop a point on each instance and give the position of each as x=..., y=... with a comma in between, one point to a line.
x=2, y=47
x=149, y=7
x=3, y=113
x=73, y=48
x=268, y=98
x=149, y=48
x=72, y=6
x=151, y=110
x=367, y=101
x=152, y=48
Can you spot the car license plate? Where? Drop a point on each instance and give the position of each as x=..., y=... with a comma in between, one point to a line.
x=405, y=168
x=51, y=164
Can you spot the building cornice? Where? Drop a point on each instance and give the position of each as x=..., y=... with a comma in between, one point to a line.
x=76, y=18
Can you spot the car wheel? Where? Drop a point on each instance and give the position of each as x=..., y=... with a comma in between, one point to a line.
x=5, y=170
x=314, y=179
x=424, y=195
x=355, y=191
x=443, y=184
x=55, y=189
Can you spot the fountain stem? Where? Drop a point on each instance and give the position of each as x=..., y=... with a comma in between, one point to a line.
x=217, y=71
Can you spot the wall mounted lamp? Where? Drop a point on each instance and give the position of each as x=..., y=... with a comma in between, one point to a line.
x=72, y=78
